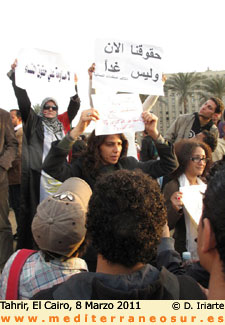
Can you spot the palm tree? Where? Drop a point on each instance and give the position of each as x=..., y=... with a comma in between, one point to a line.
x=37, y=108
x=213, y=87
x=183, y=84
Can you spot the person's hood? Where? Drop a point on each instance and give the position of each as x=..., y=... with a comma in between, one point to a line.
x=147, y=283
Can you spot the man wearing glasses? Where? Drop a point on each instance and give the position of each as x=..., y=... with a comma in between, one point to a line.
x=39, y=133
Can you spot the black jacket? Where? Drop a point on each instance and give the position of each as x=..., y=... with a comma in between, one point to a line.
x=32, y=152
x=147, y=283
x=56, y=165
x=148, y=149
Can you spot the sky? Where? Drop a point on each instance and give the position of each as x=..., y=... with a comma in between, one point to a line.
x=191, y=34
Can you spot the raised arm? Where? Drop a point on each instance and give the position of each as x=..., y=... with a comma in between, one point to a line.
x=174, y=211
x=85, y=119
x=74, y=104
x=21, y=95
x=149, y=102
x=67, y=117
x=166, y=254
x=151, y=99
x=168, y=161
x=55, y=163
x=91, y=90
x=73, y=107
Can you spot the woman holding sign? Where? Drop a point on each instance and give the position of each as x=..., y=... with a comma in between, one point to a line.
x=194, y=159
x=39, y=132
x=106, y=153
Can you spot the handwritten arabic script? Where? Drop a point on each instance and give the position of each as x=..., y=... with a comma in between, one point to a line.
x=128, y=67
x=40, y=71
x=119, y=113
x=46, y=70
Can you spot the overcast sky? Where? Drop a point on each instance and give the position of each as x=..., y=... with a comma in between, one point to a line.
x=191, y=33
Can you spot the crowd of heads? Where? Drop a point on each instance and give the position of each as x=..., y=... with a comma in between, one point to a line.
x=125, y=215
x=125, y=219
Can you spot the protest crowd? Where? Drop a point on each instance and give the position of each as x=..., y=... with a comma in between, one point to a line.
x=94, y=222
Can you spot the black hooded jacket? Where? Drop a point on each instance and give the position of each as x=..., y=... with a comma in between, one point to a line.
x=146, y=283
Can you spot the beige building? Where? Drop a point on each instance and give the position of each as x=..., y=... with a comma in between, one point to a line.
x=168, y=109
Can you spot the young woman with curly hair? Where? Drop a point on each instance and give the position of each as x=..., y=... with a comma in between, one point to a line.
x=194, y=159
x=106, y=153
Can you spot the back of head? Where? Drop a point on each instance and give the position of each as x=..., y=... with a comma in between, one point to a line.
x=214, y=207
x=216, y=166
x=210, y=139
x=219, y=104
x=125, y=217
x=59, y=224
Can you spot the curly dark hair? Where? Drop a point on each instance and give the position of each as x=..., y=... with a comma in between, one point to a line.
x=219, y=104
x=214, y=207
x=216, y=166
x=210, y=139
x=92, y=159
x=184, y=150
x=125, y=217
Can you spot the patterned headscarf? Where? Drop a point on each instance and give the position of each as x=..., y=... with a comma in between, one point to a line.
x=52, y=123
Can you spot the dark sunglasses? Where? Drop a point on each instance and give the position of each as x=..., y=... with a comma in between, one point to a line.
x=55, y=108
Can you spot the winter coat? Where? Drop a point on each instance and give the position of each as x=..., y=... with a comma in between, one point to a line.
x=181, y=127
x=146, y=283
x=56, y=165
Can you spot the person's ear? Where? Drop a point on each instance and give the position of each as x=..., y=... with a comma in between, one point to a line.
x=208, y=236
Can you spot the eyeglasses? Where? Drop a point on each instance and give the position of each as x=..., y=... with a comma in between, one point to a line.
x=198, y=159
x=55, y=108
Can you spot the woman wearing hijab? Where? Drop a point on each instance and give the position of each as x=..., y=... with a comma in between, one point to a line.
x=39, y=132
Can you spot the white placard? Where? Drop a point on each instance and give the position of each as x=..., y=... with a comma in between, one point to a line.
x=119, y=113
x=45, y=71
x=192, y=200
x=128, y=67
